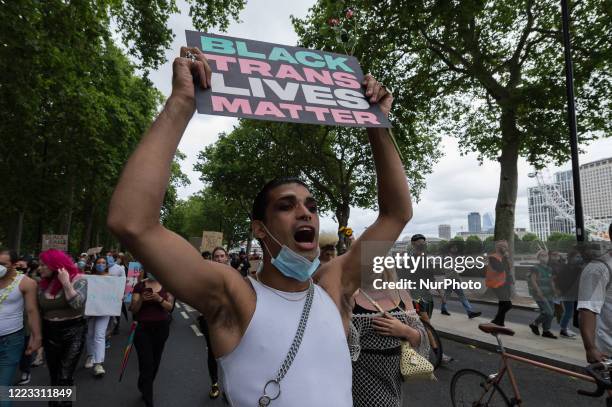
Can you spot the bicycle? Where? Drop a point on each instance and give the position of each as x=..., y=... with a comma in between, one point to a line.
x=435, y=344
x=469, y=387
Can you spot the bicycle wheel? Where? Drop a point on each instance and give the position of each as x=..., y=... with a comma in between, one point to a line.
x=435, y=345
x=472, y=388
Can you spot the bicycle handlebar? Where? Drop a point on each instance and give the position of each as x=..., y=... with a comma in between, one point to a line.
x=600, y=371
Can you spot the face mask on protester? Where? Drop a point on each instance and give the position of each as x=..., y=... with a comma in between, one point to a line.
x=100, y=268
x=81, y=264
x=110, y=260
x=3, y=271
x=151, y=277
x=291, y=264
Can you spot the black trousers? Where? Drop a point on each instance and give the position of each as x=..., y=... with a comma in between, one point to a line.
x=26, y=360
x=504, y=305
x=149, y=341
x=212, y=362
x=63, y=342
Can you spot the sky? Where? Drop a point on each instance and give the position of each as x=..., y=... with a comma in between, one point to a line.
x=457, y=185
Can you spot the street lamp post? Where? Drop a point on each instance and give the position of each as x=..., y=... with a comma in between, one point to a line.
x=571, y=119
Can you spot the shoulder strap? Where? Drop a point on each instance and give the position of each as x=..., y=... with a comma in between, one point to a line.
x=378, y=307
x=274, y=384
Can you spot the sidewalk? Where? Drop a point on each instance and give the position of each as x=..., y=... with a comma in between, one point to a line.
x=562, y=352
x=521, y=299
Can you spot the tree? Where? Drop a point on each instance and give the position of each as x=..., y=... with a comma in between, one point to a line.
x=473, y=244
x=488, y=73
x=72, y=108
x=335, y=162
x=208, y=210
x=530, y=237
x=560, y=236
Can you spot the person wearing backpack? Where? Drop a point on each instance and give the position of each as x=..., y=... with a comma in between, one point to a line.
x=595, y=306
x=542, y=289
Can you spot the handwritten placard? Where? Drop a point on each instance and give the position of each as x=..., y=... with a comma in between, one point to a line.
x=59, y=242
x=210, y=240
x=104, y=295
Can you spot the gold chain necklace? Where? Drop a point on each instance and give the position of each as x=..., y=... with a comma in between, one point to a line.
x=8, y=290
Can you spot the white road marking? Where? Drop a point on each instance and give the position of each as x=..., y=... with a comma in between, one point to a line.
x=184, y=314
x=196, y=330
x=188, y=308
x=178, y=305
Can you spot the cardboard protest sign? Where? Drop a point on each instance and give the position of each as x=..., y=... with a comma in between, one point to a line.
x=210, y=240
x=94, y=250
x=104, y=295
x=59, y=242
x=134, y=270
x=261, y=80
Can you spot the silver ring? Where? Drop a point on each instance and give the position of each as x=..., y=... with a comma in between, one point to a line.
x=191, y=56
x=277, y=387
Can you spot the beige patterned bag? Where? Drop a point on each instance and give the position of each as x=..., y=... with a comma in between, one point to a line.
x=413, y=366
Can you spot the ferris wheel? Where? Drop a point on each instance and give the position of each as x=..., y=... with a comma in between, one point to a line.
x=564, y=210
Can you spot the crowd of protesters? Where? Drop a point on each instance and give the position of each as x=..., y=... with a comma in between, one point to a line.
x=42, y=310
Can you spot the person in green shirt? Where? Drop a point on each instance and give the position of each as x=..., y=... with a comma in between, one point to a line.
x=542, y=289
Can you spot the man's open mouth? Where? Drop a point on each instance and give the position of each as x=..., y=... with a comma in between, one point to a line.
x=304, y=237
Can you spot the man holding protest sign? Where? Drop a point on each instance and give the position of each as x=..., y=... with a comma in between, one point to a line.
x=283, y=299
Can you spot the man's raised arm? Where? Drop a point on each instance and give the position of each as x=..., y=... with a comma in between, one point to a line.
x=394, y=202
x=135, y=206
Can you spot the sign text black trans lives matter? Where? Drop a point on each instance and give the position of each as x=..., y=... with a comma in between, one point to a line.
x=260, y=80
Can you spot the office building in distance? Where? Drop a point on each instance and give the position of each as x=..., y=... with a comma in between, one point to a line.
x=474, y=223
x=596, y=182
x=444, y=232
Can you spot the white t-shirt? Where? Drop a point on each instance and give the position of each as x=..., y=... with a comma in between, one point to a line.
x=595, y=294
x=116, y=270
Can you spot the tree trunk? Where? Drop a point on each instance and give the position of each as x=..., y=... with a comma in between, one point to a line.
x=65, y=229
x=508, y=179
x=249, y=243
x=343, y=213
x=16, y=232
x=87, y=230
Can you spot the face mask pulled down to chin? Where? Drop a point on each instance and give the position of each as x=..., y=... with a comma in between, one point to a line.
x=292, y=264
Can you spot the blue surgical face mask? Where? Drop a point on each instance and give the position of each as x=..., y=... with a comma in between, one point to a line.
x=291, y=264
x=101, y=268
x=151, y=277
x=3, y=271
x=81, y=264
x=110, y=260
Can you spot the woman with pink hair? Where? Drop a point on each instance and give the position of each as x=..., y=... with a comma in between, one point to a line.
x=61, y=298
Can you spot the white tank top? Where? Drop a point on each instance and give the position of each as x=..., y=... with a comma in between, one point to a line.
x=321, y=373
x=11, y=309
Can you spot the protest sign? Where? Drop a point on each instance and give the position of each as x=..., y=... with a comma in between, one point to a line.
x=59, y=242
x=94, y=250
x=261, y=80
x=210, y=240
x=104, y=295
x=134, y=270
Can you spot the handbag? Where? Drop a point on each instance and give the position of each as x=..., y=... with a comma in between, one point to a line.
x=413, y=366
